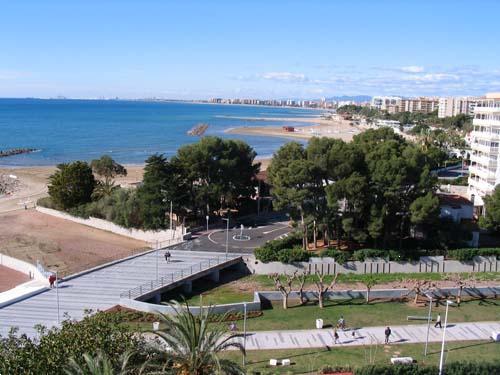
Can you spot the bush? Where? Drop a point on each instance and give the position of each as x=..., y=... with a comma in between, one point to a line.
x=455, y=368
x=362, y=254
x=295, y=254
x=468, y=254
x=340, y=257
x=270, y=251
x=47, y=203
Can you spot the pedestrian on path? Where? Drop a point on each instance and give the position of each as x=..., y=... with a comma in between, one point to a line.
x=52, y=280
x=438, y=321
x=335, y=336
x=387, y=334
x=167, y=256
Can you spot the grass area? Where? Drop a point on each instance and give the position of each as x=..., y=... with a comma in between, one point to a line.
x=221, y=295
x=358, y=314
x=311, y=360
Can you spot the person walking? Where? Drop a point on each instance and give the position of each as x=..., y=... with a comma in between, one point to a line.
x=438, y=321
x=387, y=334
x=167, y=256
x=52, y=280
x=335, y=336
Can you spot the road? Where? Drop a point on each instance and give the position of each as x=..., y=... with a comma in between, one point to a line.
x=215, y=240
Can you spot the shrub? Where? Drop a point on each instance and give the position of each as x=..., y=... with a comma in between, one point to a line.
x=468, y=254
x=340, y=257
x=295, y=254
x=455, y=368
x=362, y=254
x=269, y=252
x=46, y=202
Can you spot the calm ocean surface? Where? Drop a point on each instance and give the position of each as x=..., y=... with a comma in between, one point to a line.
x=129, y=131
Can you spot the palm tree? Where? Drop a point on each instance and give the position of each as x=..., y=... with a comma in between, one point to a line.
x=100, y=364
x=190, y=344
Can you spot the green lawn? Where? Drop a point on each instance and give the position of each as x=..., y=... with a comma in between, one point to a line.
x=358, y=314
x=312, y=360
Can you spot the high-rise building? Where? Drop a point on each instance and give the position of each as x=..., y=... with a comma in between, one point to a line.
x=452, y=106
x=421, y=105
x=386, y=103
x=484, y=171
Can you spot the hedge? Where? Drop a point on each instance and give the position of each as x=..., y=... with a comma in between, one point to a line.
x=468, y=254
x=454, y=368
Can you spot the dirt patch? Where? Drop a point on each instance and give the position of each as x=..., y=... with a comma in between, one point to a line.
x=10, y=278
x=59, y=244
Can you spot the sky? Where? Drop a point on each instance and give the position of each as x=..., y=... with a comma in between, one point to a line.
x=258, y=49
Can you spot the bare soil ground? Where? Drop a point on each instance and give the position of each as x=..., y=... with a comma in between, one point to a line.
x=10, y=278
x=59, y=244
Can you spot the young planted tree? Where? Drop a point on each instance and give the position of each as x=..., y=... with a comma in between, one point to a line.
x=323, y=288
x=301, y=278
x=369, y=283
x=283, y=286
x=461, y=282
x=418, y=287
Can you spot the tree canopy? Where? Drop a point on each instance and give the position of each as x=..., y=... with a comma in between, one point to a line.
x=72, y=184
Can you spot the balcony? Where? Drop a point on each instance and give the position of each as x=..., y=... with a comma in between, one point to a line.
x=486, y=110
x=485, y=174
x=484, y=160
x=484, y=149
x=481, y=186
x=486, y=122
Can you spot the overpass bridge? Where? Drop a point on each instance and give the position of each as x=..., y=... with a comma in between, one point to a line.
x=140, y=277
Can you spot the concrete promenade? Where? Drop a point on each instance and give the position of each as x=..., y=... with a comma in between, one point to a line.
x=98, y=289
x=407, y=334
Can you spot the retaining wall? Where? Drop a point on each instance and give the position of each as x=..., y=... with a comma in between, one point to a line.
x=263, y=296
x=373, y=266
x=152, y=237
x=24, y=267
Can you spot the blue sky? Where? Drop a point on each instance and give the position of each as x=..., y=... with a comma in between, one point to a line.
x=261, y=48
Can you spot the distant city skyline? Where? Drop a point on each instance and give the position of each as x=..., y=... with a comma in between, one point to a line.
x=260, y=49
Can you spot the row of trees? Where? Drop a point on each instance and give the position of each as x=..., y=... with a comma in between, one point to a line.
x=205, y=178
x=376, y=190
x=322, y=283
x=101, y=345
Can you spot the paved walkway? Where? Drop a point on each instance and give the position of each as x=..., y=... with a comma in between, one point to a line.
x=96, y=290
x=409, y=334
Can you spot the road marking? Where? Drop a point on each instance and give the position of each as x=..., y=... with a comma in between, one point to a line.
x=274, y=230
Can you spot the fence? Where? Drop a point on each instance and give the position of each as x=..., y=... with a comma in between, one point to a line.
x=174, y=278
x=374, y=266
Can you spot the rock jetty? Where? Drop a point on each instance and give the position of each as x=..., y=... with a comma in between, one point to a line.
x=16, y=151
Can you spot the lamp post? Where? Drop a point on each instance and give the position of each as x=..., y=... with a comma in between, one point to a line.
x=57, y=299
x=207, y=217
x=244, y=333
x=227, y=236
x=448, y=303
x=429, y=317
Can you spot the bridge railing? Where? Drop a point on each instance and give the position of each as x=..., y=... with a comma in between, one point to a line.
x=173, y=277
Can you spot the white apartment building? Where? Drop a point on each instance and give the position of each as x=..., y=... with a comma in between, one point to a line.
x=386, y=103
x=452, y=106
x=484, y=171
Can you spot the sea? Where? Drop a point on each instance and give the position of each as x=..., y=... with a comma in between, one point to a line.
x=128, y=131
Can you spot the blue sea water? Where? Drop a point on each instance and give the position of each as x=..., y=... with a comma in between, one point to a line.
x=129, y=131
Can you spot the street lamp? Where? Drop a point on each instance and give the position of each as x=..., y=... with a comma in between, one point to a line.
x=244, y=333
x=57, y=296
x=429, y=318
x=448, y=303
x=207, y=217
x=227, y=235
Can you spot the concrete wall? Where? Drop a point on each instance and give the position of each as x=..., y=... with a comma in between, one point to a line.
x=329, y=266
x=262, y=296
x=154, y=238
x=24, y=267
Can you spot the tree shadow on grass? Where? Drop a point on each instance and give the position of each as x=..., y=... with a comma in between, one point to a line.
x=465, y=347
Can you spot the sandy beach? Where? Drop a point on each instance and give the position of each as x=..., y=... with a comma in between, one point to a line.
x=32, y=184
x=313, y=127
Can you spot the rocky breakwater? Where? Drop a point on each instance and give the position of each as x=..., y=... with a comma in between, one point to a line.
x=16, y=151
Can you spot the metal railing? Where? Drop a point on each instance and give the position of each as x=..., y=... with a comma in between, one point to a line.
x=174, y=277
